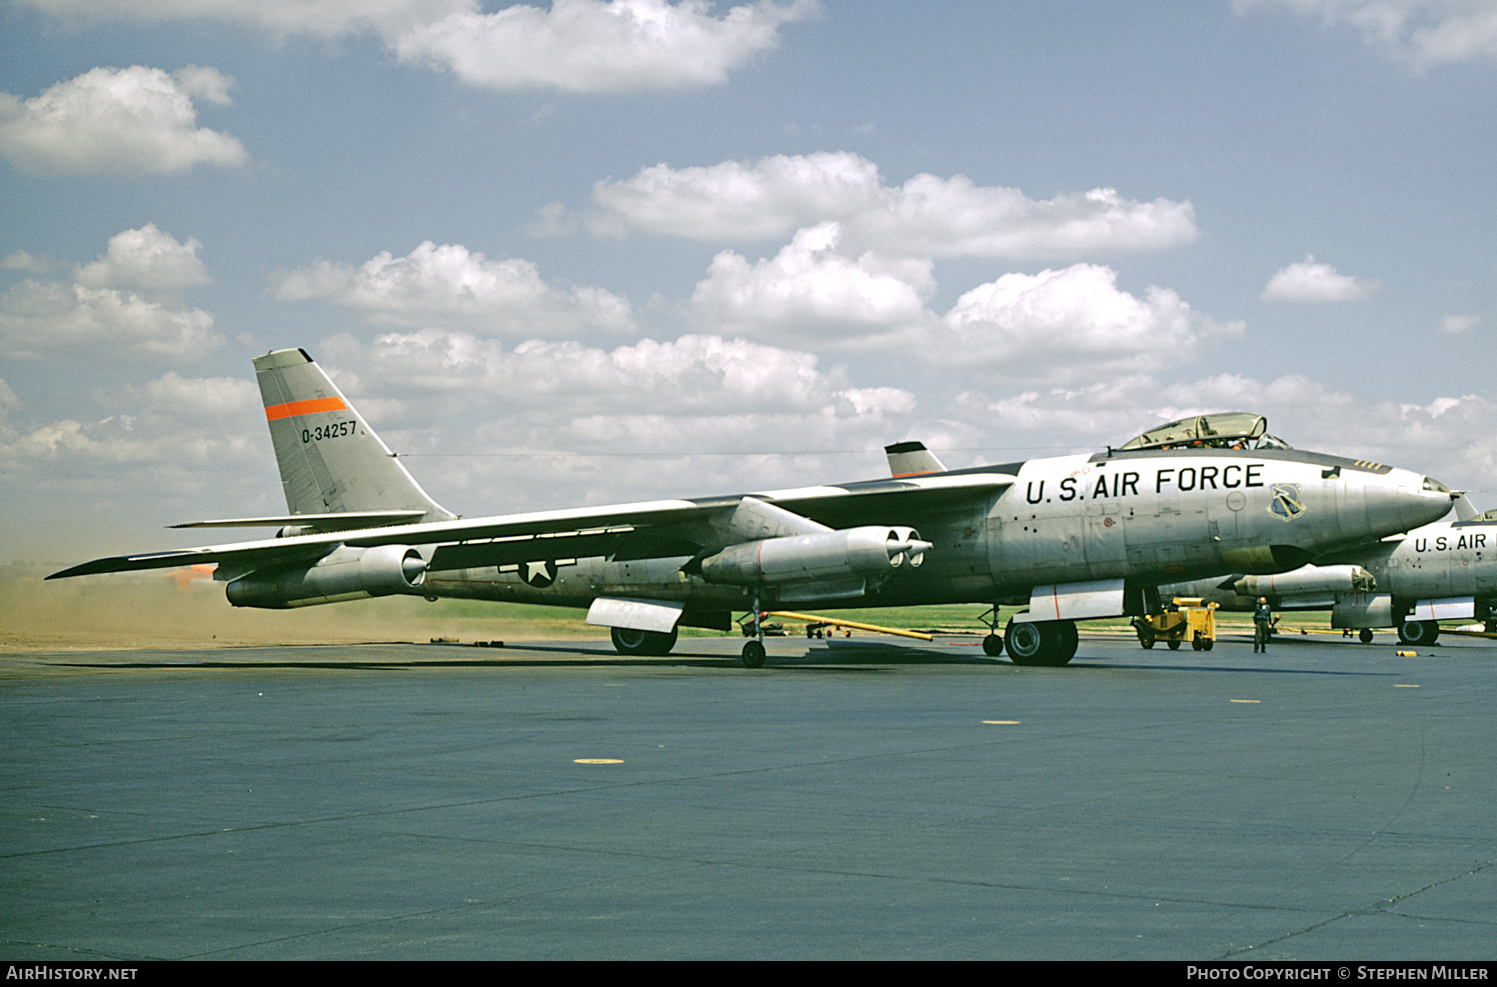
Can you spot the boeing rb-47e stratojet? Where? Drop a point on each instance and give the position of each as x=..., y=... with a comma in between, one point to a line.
x=1073, y=537
x=1444, y=571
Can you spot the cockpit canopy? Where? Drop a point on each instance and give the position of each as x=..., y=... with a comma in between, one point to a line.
x=1221, y=430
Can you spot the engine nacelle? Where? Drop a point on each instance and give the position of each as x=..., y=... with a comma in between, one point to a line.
x=346, y=573
x=852, y=553
x=1327, y=583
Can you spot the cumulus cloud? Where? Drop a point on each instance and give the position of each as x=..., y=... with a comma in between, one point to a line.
x=574, y=45
x=108, y=121
x=1419, y=33
x=927, y=216
x=147, y=259
x=588, y=46
x=543, y=424
x=25, y=260
x=686, y=377
x=451, y=286
x=1457, y=325
x=810, y=293
x=1312, y=281
x=739, y=200
x=1060, y=324
x=127, y=301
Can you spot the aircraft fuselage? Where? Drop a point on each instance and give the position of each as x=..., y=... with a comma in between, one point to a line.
x=1146, y=517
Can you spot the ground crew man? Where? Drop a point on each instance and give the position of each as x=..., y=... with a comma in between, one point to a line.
x=1262, y=625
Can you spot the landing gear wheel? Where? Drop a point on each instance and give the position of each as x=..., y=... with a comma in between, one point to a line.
x=753, y=655
x=992, y=646
x=1048, y=642
x=1066, y=641
x=1418, y=632
x=628, y=641
x=1364, y=635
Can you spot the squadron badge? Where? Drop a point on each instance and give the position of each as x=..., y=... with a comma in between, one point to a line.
x=1285, y=504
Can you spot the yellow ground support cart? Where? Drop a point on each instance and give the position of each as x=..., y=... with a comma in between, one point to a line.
x=1186, y=619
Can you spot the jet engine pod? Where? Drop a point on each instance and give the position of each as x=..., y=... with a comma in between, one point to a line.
x=346, y=573
x=912, y=556
x=867, y=552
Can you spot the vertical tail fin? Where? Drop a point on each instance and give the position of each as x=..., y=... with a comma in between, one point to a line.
x=912, y=459
x=331, y=461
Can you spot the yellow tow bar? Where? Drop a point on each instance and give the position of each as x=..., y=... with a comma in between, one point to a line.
x=829, y=622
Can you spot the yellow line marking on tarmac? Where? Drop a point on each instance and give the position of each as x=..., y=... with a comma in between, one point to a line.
x=1244, y=700
x=598, y=760
x=1002, y=723
x=1402, y=686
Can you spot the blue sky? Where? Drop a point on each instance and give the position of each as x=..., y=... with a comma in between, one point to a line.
x=590, y=252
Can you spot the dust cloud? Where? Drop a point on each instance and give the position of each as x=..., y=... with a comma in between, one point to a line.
x=186, y=609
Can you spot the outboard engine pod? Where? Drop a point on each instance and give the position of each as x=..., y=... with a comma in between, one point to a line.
x=346, y=573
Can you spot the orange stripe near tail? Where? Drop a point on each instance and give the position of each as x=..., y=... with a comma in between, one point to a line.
x=293, y=408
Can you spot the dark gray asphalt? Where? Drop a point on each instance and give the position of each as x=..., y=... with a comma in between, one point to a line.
x=1328, y=800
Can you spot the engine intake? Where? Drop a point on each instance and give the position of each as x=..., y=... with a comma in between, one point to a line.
x=346, y=573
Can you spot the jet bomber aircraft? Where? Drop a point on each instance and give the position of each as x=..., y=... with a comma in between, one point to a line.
x=1442, y=571
x=1070, y=537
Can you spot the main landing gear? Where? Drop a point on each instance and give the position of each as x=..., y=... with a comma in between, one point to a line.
x=628, y=641
x=1042, y=642
x=1418, y=632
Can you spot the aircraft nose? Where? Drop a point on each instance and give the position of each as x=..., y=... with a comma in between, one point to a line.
x=1434, y=502
x=1402, y=500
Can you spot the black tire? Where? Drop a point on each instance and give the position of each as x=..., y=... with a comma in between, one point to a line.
x=1025, y=642
x=1208, y=644
x=1365, y=635
x=753, y=655
x=1048, y=643
x=1196, y=644
x=1174, y=643
x=992, y=646
x=1417, y=632
x=628, y=641
x=1066, y=641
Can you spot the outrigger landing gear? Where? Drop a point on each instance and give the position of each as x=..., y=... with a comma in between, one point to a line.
x=992, y=645
x=753, y=651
